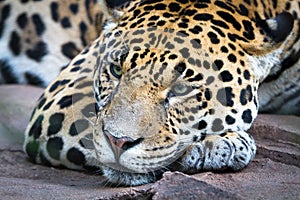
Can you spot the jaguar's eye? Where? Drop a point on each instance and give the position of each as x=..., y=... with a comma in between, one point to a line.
x=180, y=89
x=116, y=70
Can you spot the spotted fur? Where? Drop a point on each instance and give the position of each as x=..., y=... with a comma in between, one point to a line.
x=39, y=38
x=170, y=85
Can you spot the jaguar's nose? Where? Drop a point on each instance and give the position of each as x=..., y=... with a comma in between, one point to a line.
x=121, y=144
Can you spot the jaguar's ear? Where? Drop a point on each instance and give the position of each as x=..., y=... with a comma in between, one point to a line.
x=111, y=8
x=112, y=11
x=266, y=48
x=270, y=34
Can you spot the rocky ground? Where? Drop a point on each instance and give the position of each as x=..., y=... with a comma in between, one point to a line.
x=274, y=174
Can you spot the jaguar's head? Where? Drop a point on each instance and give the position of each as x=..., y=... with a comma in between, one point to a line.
x=160, y=87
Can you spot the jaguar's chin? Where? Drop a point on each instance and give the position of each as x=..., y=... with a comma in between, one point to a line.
x=117, y=175
x=122, y=178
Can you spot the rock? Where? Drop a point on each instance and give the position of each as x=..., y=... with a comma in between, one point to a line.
x=278, y=138
x=16, y=105
x=274, y=173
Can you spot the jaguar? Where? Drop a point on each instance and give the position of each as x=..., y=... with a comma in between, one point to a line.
x=168, y=85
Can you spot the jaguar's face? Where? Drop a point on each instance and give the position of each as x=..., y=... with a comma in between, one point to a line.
x=153, y=103
x=142, y=121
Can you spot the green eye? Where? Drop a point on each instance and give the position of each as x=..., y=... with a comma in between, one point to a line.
x=180, y=89
x=116, y=70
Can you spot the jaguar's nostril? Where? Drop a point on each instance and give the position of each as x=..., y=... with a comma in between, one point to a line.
x=123, y=143
x=130, y=144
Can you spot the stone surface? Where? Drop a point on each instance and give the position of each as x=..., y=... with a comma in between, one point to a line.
x=16, y=105
x=274, y=173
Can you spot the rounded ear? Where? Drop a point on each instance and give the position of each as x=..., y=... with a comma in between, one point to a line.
x=110, y=8
x=270, y=34
x=278, y=28
x=116, y=3
x=266, y=49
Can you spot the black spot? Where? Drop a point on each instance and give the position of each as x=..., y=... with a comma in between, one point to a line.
x=196, y=43
x=180, y=68
x=247, y=116
x=225, y=96
x=78, y=126
x=42, y=101
x=189, y=73
x=174, y=7
x=70, y=50
x=38, y=52
x=75, y=156
x=15, y=43
x=200, y=125
x=219, y=31
x=32, y=114
x=240, y=81
x=210, y=80
x=220, y=23
x=229, y=120
x=230, y=19
x=178, y=40
x=244, y=11
x=7, y=73
x=47, y=106
x=170, y=46
x=65, y=22
x=182, y=1
x=88, y=10
x=83, y=30
x=54, y=147
x=213, y=38
x=224, y=6
x=217, y=65
x=184, y=52
x=54, y=86
x=196, y=30
x=173, y=56
x=89, y=110
x=225, y=76
x=200, y=5
x=67, y=100
x=38, y=24
x=32, y=149
x=232, y=58
x=85, y=84
x=206, y=64
x=235, y=37
x=224, y=49
x=160, y=6
x=36, y=128
x=246, y=95
x=243, y=99
x=203, y=17
x=217, y=125
x=247, y=75
x=55, y=123
x=207, y=94
x=75, y=69
x=78, y=62
x=54, y=11
x=74, y=8
x=5, y=12
x=22, y=20
x=33, y=79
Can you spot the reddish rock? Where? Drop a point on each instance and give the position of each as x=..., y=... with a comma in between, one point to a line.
x=274, y=173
